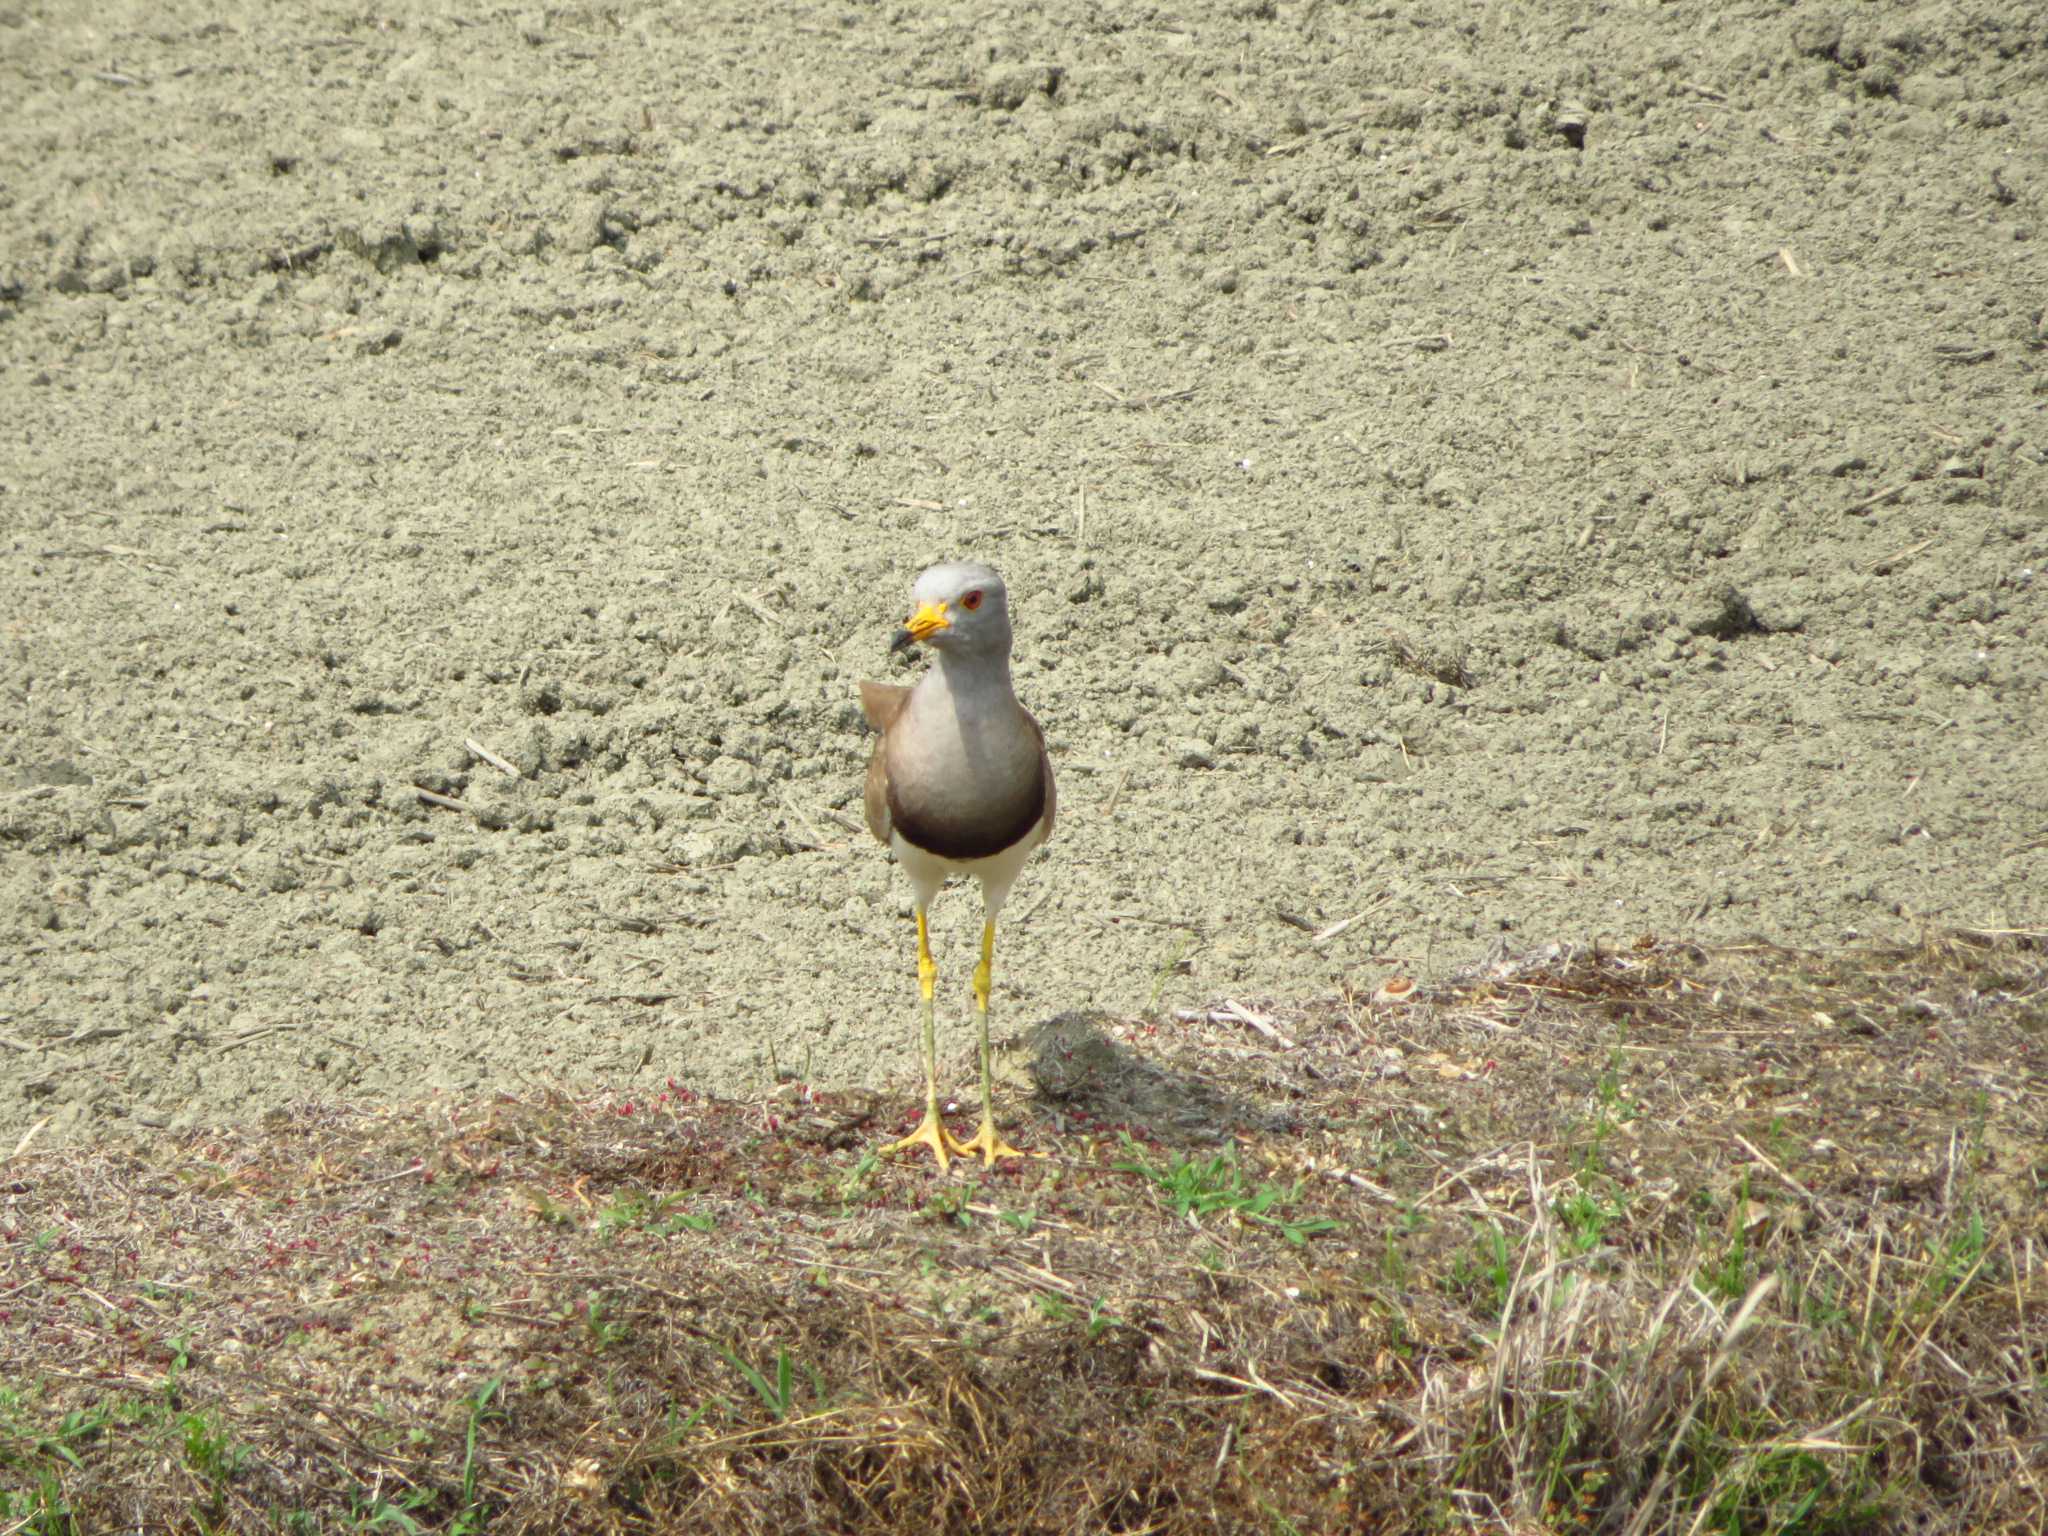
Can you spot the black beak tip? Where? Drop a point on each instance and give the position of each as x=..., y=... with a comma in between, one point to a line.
x=903, y=641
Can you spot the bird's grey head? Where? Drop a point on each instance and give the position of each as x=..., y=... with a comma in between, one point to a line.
x=961, y=609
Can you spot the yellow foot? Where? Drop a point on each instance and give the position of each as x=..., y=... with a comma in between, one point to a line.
x=931, y=1133
x=990, y=1145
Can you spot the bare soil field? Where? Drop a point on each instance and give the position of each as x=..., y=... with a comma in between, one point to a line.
x=1498, y=476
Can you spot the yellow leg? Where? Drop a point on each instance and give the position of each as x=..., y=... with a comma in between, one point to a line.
x=927, y=967
x=931, y=1131
x=986, y=1141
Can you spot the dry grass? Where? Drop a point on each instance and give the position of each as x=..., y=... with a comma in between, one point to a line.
x=1665, y=1240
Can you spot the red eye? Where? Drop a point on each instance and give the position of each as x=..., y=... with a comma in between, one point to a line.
x=972, y=600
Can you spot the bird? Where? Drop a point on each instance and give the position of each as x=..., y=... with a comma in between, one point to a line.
x=959, y=784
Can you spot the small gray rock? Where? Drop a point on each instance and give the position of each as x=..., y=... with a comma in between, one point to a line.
x=731, y=776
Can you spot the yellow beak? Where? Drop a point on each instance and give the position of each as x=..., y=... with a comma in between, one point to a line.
x=923, y=624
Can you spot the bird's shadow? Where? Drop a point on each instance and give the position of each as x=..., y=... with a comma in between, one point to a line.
x=1073, y=1067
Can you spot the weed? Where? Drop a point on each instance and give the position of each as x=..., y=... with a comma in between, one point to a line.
x=1952, y=1264
x=1393, y=1263
x=375, y=1513
x=1400, y=1336
x=1819, y=1302
x=861, y=1182
x=1393, y=1258
x=1980, y=1122
x=1585, y=1213
x=1175, y=964
x=604, y=1331
x=637, y=1211
x=625, y=1211
x=675, y=1429
x=1777, y=1489
x=1727, y=1276
x=181, y=1357
x=1485, y=1269
x=549, y=1212
x=1616, y=1107
x=76, y=1428
x=1195, y=1188
x=480, y=1412
x=41, y=1511
x=1958, y=1260
x=779, y=1395
x=209, y=1450
x=950, y=1205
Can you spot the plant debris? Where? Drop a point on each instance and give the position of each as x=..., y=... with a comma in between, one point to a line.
x=1663, y=1239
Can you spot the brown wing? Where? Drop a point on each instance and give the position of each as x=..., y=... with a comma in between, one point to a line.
x=879, y=820
x=881, y=703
